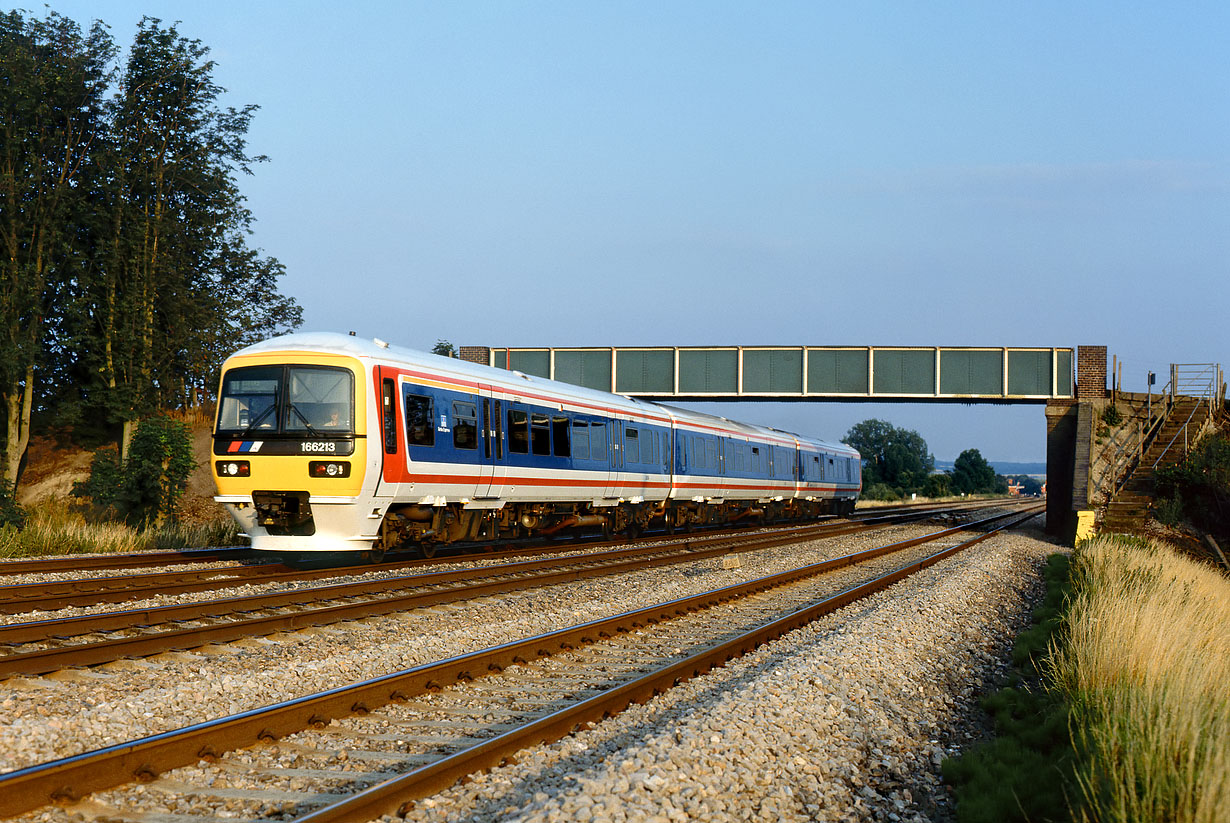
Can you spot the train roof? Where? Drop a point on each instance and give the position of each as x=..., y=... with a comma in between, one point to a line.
x=515, y=381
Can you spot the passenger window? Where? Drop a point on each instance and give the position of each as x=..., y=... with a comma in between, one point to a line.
x=580, y=439
x=632, y=446
x=518, y=432
x=597, y=441
x=540, y=433
x=559, y=434
x=465, y=425
x=420, y=423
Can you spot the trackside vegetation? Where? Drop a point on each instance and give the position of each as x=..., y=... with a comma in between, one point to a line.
x=1026, y=772
x=1145, y=664
x=54, y=528
x=1128, y=718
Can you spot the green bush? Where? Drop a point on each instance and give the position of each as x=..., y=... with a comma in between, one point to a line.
x=147, y=488
x=881, y=491
x=10, y=513
x=1197, y=489
x=1111, y=416
x=1027, y=771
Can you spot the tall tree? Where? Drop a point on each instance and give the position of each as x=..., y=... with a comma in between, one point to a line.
x=175, y=278
x=53, y=80
x=972, y=474
x=896, y=457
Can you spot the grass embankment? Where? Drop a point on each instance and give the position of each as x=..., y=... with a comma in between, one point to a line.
x=64, y=529
x=1146, y=666
x=1130, y=717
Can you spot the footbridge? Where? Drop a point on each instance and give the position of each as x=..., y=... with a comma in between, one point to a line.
x=1101, y=443
x=810, y=373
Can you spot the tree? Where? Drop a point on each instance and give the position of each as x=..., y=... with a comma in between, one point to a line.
x=444, y=348
x=174, y=286
x=145, y=489
x=895, y=457
x=972, y=474
x=1029, y=485
x=51, y=117
x=126, y=275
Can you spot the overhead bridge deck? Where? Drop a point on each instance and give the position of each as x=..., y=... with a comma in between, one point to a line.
x=803, y=373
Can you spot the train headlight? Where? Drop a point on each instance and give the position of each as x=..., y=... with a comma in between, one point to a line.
x=329, y=468
x=233, y=468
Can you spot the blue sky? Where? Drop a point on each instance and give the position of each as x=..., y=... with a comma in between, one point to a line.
x=634, y=173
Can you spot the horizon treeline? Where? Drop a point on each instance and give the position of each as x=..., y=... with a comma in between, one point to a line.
x=126, y=275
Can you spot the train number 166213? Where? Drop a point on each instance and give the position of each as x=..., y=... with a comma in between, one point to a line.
x=319, y=447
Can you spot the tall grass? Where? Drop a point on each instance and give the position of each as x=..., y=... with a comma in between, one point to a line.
x=57, y=527
x=1145, y=666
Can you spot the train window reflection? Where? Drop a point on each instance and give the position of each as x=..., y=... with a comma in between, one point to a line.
x=559, y=436
x=580, y=439
x=465, y=425
x=597, y=441
x=249, y=398
x=420, y=427
x=518, y=432
x=632, y=446
x=540, y=434
x=319, y=399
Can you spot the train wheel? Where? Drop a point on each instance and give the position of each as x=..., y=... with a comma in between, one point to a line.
x=428, y=550
x=376, y=555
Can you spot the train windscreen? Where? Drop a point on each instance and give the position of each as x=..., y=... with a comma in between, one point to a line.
x=293, y=400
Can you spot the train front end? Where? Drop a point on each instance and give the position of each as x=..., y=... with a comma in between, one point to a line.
x=290, y=450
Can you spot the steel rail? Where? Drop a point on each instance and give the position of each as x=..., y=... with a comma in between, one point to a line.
x=58, y=594
x=461, y=584
x=396, y=795
x=87, y=591
x=61, y=628
x=127, y=560
x=72, y=778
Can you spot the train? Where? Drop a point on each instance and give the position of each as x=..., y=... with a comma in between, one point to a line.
x=326, y=442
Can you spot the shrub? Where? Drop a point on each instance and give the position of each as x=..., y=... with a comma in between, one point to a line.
x=10, y=513
x=881, y=491
x=1198, y=487
x=1111, y=416
x=147, y=488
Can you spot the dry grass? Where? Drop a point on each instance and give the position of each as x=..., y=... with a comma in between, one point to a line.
x=1146, y=666
x=55, y=527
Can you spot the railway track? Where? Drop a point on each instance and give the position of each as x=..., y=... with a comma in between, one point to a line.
x=580, y=690
x=128, y=560
x=52, y=595
x=40, y=647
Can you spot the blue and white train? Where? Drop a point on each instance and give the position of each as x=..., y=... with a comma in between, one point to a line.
x=326, y=442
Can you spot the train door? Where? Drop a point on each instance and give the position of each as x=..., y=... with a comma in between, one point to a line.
x=613, y=485
x=492, y=468
x=386, y=393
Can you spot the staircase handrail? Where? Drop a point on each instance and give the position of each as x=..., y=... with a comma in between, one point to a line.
x=1127, y=453
x=1183, y=430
